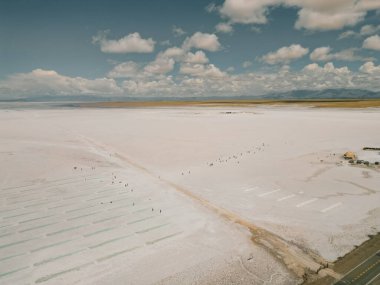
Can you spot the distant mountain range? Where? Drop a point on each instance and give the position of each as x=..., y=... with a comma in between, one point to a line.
x=324, y=94
x=288, y=95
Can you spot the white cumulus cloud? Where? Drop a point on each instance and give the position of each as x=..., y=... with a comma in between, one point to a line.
x=49, y=82
x=201, y=70
x=285, y=54
x=246, y=11
x=327, y=68
x=124, y=70
x=312, y=14
x=326, y=54
x=365, y=30
x=203, y=41
x=247, y=64
x=177, y=31
x=132, y=43
x=368, y=30
x=311, y=19
x=197, y=57
x=174, y=52
x=372, y=42
x=370, y=67
x=161, y=65
x=224, y=28
x=348, y=34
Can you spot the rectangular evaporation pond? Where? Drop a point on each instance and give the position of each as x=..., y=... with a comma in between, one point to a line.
x=98, y=232
x=122, y=199
x=59, y=206
x=58, y=257
x=120, y=207
x=17, y=187
x=71, y=179
x=117, y=253
x=3, y=274
x=65, y=230
x=76, y=196
x=50, y=245
x=142, y=210
x=83, y=216
x=5, y=226
x=22, y=201
x=30, y=189
x=110, y=241
x=17, y=242
x=97, y=198
x=162, y=238
x=109, y=218
x=38, y=204
x=35, y=219
x=152, y=228
x=12, y=199
x=54, y=275
x=111, y=189
x=81, y=208
x=38, y=227
x=11, y=256
x=140, y=220
x=9, y=210
x=65, y=183
x=93, y=178
x=5, y=235
x=19, y=215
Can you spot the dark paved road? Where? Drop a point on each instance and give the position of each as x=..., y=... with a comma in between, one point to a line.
x=367, y=272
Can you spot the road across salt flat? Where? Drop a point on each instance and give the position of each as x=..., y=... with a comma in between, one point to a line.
x=365, y=273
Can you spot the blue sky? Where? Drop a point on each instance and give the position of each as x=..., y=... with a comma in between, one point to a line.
x=186, y=48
